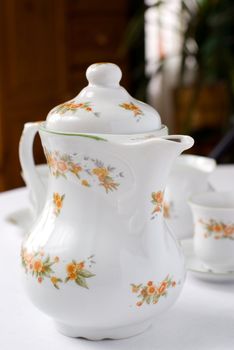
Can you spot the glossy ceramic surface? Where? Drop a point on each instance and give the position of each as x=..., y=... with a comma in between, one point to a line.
x=99, y=259
x=104, y=107
x=188, y=176
x=213, y=215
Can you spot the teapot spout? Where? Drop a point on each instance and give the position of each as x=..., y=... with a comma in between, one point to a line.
x=181, y=142
x=169, y=148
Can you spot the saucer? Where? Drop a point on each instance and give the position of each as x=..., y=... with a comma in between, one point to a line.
x=197, y=267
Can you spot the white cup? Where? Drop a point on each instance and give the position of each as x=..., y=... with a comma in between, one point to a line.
x=188, y=176
x=213, y=216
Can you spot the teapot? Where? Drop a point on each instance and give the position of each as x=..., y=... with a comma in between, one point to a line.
x=99, y=259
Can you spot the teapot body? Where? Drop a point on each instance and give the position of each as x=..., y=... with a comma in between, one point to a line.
x=100, y=259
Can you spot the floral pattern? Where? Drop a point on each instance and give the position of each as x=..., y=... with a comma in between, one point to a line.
x=137, y=112
x=151, y=292
x=61, y=164
x=40, y=266
x=58, y=202
x=77, y=272
x=218, y=229
x=72, y=106
x=157, y=200
x=86, y=171
x=104, y=176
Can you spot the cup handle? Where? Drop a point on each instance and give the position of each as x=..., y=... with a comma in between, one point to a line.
x=30, y=174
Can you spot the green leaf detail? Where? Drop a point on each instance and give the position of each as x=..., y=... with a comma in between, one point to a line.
x=81, y=282
x=86, y=274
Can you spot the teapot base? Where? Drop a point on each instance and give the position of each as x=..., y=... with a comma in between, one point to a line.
x=99, y=334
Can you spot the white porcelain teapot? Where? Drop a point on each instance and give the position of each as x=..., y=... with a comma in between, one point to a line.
x=99, y=259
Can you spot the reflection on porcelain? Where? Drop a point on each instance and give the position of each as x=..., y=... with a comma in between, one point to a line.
x=43, y=174
x=188, y=176
x=99, y=260
x=213, y=214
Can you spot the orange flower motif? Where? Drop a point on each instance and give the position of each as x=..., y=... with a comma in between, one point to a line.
x=157, y=196
x=132, y=107
x=157, y=200
x=76, y=169
x=28, y=258
x=139, y=303
x=134, y=289
x=105, y=179
x=62, y=166
x=85, y=183
x=58, y=202
x=51, y=161
x=80, y=265
x=72, y=106
x=76, y=272
x=151, y=293
x=229, y=230
x=71, y=268
x=54, y=279
x=162, y=287
x=40, y=266
x=56, y=196
x=151, y=290
x=102, y=173
x=217, y=230
x=72, y=276
x=37, y=266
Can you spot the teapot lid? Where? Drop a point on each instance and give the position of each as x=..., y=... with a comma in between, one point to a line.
x=103, y=107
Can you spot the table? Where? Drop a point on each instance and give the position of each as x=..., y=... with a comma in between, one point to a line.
x=202, y=318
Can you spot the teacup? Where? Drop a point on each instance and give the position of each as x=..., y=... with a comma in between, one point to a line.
x=188, y=176
x=213, y=215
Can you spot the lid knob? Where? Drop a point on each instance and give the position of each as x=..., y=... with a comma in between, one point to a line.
x=104, y=74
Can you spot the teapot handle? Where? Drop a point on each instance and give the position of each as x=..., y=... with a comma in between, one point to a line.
x=30, y=173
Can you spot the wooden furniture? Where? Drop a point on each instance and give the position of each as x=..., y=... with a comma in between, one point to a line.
x=45, y=46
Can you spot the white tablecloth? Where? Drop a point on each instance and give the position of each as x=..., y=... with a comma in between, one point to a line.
x=202, y=319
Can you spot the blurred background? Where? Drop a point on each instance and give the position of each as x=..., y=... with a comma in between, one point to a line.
x=176, y=55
